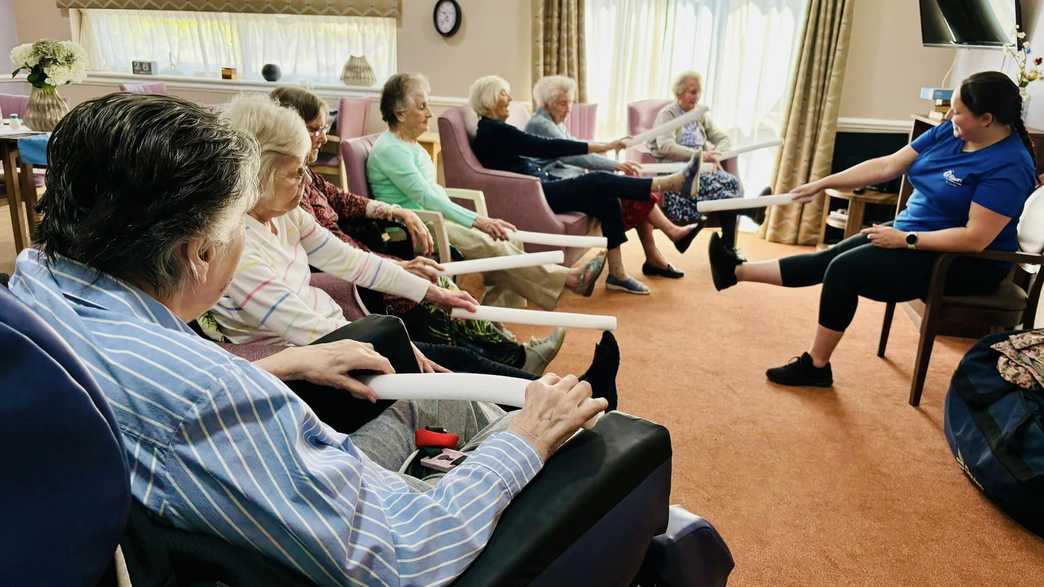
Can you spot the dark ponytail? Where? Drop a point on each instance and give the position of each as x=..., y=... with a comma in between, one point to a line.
x=993, y=92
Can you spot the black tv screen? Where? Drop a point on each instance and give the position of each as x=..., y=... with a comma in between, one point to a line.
x=969, y=23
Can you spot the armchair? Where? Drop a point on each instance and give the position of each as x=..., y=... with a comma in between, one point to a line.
x=581, y=121
x=519, y=199
x=149, y=88
x=588, y=518
x=1014, y=302
x=641, y=116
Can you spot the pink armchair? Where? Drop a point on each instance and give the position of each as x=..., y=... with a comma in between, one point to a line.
x=14, y=104
x=149, y=88
x=581, y=121
x=519, y=199
x=641, y=116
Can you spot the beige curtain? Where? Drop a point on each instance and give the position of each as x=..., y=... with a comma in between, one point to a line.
x=382, y=8
x=558, y=41
x=811, y=119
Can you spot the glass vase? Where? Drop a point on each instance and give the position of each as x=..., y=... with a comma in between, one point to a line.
x=1024, y=92
x=45, y=109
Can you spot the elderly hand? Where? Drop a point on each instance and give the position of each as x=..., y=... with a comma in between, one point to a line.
x=712, y=156
x=617, y=145
x=427, y=365
x=629, y=168
x=422, y=242
x=328, y=365
x=422, y=267
x=555, y=408
x=806, y=192
x=885, y=237
x=499, y=229
x=450, y=299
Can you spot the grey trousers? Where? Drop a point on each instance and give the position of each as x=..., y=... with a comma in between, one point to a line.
x=388, y=439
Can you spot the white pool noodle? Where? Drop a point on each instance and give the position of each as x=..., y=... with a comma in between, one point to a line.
x=743, y=203
x=498, y=389
x=501, y=263
x=741, y=150
x=654, y=168
x=667, y=127
x=537, y=317
x=559, y=240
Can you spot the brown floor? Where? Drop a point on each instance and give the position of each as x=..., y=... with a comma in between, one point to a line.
x=850, y=486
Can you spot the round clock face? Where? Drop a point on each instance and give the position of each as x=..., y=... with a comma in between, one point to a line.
x=447, y=17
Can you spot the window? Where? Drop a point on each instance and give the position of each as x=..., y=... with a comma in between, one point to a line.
x=306, y=48
x=744, y=49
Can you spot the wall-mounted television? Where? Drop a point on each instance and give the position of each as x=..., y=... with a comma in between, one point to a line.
x=970, y=23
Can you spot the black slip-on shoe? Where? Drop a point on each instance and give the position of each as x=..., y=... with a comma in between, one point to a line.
x=669, y=271
x=683, y=243
x=723, y=262
x=801, y=372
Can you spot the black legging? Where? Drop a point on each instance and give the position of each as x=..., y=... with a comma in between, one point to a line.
x=344, y=412
x=854, y=268
x=598, y=194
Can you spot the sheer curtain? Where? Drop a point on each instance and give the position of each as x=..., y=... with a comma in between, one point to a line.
x=312, y=48
x=744, y=49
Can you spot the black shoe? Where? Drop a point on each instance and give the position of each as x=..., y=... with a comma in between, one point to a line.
x=669, y=271
x=602, y=372
x=683, y=243
x=758, y=214
x=801, y=372
x=738, y=254
x=723, y=262
x=690, y=187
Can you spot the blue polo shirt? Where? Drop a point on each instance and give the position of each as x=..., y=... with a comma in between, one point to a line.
x=947, y=180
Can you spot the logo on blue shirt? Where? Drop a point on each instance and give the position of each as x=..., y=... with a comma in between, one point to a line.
x=952, y=179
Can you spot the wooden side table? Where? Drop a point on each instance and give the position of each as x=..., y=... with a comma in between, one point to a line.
x=430, y=141
x=856, y=209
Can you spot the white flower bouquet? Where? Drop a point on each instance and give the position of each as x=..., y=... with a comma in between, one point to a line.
x=50, y=63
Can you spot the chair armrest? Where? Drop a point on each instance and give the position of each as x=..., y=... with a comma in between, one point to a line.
x=1017, y=257
x=475, y=196
x=438, y=231
x=333, y=139
x=579, y=487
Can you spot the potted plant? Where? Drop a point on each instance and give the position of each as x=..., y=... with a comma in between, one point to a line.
x=50, y=64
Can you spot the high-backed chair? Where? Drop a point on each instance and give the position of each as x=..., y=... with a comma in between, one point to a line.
x=351, y=117
x=641, y=116
x=1014, y=301
x=145, y=88
x=519, y=199
x=582, y=120
x=356, y=151
x=14, y=104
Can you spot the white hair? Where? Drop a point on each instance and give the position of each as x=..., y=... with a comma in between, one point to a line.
x=484, y=92
x=549, y=87
x=279, y=131
x=683, y=80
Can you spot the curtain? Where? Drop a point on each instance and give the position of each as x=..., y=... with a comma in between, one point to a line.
x=306, y=48
x=743, y=48
x=558, y=41
x=811, y=121
x=380, y=8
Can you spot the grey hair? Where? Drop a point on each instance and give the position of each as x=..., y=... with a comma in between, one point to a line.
x=396, y=94
x=132, y=178
x=550, y=86
x=483, y=93
x=683, y=79
x=279, y=131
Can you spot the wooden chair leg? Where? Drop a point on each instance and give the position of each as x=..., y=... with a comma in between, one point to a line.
x=886, y=328
x=924, y=355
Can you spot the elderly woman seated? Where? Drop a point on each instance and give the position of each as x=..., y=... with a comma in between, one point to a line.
x=553, y=97
x=142, y=230
x=498, y=145
x=704, y=141
x=402, y=173
x=426, y=322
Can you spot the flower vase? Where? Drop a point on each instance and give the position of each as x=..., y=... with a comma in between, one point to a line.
x=45, y=109
x=1025, y=94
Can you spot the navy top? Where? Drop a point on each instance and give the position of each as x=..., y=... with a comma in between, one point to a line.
x=946, y=181
x=498, y=145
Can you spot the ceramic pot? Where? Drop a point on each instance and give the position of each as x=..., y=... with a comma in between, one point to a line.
x=45, y=109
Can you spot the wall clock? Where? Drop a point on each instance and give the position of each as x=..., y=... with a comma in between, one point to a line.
x=447, y=17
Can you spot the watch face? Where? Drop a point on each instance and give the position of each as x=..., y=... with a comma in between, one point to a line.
x=447, y=17
x=911, y=238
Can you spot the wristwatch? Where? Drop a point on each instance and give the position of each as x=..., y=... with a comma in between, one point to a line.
x=911, y=240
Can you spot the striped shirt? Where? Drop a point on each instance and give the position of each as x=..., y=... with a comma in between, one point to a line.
x=218, y=446
x=270, y=299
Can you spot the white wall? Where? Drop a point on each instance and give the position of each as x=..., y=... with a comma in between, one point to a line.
x=8, y=33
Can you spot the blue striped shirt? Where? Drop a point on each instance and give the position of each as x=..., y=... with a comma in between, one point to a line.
x=219, y=446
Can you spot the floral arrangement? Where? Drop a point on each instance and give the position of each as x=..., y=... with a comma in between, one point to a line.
x=50, y=63
x=1028, y=70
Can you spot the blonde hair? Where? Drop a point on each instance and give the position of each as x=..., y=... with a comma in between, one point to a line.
x=484, y=92
x=683, y=79
x=550, y=86
x=279, y=131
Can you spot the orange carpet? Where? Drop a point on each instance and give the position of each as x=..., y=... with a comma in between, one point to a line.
x=849, y=486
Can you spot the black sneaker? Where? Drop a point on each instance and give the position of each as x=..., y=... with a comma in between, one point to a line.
x=801, y=372
x=723, y=262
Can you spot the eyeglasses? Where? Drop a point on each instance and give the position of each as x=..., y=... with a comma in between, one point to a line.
x=316, y=132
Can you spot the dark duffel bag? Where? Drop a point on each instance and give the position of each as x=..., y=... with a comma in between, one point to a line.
x=996, y=432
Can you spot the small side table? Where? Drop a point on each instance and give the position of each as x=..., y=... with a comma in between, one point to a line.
x=430, y=141
x=856, y=209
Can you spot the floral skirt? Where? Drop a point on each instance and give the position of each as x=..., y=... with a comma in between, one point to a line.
x=717, y=185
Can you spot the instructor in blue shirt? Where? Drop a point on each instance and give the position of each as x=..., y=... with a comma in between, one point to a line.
x=971, y=177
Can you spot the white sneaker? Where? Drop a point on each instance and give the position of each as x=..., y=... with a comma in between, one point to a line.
x=541, y=351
